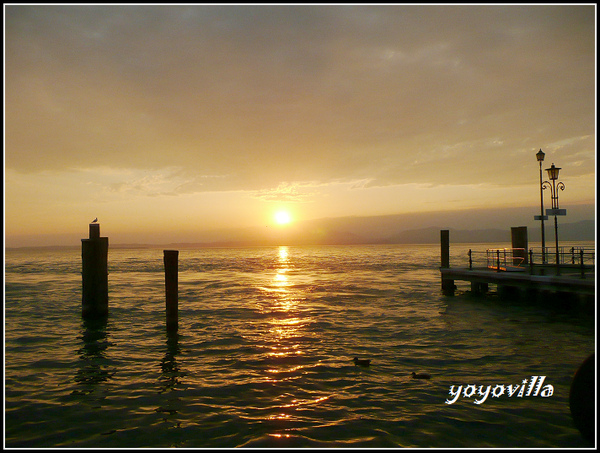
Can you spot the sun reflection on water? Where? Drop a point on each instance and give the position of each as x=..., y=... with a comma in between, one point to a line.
x=287, y=339
x=285, y=325
x=283, y=254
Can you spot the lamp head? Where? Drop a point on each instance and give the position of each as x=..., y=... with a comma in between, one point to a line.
x=540, y=156
x=553, y=172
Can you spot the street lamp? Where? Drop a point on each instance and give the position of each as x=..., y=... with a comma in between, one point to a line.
x=555, y=211
x=540, y=157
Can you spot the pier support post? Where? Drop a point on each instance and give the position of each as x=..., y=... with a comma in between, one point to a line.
x=478, y=288
x=519, y=242
x=508, y=292
x=94, y=273
x=447, y=285
x=171, y=258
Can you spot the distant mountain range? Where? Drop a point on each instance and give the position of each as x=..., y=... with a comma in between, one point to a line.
x=362, y=231
x=578, y=231
x=473, y=226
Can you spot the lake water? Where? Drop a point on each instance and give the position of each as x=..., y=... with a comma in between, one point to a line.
x=263, y=355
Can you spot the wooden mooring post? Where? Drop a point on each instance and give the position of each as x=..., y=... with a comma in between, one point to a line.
x=94, y=272
x=171, y=258
x=447, y=284
x=519, y=245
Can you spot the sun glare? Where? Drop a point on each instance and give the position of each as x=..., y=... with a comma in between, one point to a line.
x=282, y=217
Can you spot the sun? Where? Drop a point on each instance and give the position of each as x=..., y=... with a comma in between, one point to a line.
x=282, y=217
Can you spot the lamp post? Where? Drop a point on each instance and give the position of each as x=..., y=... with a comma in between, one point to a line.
x=540, y=158
x=555, y=211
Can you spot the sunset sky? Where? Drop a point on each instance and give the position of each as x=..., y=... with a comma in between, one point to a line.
x=167, y=121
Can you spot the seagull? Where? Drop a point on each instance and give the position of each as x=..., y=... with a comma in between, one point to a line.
x=361, y=362
x=95, y=220
x=421, y=375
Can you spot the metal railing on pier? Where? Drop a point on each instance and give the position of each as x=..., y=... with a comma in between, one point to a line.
x=567, y=255
x=571, y=260
x=506, y=259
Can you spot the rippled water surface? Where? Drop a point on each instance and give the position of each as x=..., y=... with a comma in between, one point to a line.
x=263, y=353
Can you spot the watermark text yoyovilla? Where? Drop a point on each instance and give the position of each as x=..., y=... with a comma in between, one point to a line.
x=527, y=388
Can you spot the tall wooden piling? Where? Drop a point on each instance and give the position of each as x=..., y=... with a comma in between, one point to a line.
x=447, y=285
x=445, y=242
x=171, y=258
x=94, y=258
x=519, y=245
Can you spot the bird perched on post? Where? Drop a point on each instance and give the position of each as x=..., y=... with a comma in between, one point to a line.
x=95, y=220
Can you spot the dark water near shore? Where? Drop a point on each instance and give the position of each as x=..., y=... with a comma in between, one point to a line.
x=263, y=353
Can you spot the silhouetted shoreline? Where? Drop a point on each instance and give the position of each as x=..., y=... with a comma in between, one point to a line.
x=576, y=231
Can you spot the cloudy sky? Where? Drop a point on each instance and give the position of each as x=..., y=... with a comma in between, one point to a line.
x=163, y=121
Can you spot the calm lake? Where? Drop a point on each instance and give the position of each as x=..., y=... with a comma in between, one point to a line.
x=263, y=355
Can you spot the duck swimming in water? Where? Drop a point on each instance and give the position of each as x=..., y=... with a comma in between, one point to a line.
x=421, y=375
x=361, y=362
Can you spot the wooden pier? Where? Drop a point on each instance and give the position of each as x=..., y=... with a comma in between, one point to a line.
x=516, y=275
x=479, y=278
